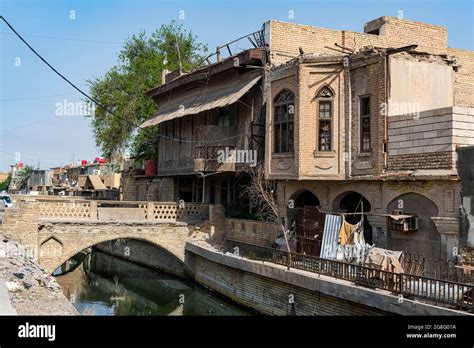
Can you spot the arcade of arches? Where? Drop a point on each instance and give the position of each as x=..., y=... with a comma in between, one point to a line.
x=434, y=203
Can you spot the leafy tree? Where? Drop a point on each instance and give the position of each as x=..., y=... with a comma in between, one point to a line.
x=23, y=175
x=139, y=69
x=4, y=184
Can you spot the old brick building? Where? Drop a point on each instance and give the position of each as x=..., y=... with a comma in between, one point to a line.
x=367, y=122
x=372, y=121
x=206, y=119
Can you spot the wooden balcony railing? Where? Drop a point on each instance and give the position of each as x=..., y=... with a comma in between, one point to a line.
x=210, y=152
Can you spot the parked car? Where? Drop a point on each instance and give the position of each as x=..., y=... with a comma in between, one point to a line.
x=7, y=201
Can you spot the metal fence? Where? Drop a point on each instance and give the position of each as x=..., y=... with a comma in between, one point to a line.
x=441, y=292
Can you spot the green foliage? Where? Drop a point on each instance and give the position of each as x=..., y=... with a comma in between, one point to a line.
x=139, y=69
x=144, y=144
x=23, y=175
x=4, y=184
x=240, y=210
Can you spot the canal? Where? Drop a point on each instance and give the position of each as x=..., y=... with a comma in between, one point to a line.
x=101, y=284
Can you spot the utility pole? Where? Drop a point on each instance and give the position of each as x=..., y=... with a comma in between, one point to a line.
x=179, y=57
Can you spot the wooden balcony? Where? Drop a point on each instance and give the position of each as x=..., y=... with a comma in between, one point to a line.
x=212, y=158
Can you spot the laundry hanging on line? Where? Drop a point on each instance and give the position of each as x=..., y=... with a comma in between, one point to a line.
x=346, y=232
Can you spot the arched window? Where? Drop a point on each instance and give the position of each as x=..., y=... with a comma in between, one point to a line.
x=325, y=117
x=283, y=112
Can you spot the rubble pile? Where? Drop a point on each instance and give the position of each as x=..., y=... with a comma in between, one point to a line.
x=31, y=290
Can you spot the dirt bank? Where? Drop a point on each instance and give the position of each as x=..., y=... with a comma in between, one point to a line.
x=31, y=290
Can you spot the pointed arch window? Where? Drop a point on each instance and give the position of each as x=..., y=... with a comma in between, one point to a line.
x=325, y=119
x=284, y=111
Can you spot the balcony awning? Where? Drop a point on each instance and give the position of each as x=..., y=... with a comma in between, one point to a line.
x=201, y=99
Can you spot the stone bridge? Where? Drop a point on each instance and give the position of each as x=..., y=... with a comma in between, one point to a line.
x=54, y=230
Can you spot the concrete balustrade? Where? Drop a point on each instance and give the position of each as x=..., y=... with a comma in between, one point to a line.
x=70, y=209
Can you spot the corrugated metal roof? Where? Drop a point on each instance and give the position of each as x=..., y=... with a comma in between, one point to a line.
x=96, y=182
x=332, y=226
x=206, y=98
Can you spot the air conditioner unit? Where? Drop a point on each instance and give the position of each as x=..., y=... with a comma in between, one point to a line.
x=96, y=171
x=402, y=222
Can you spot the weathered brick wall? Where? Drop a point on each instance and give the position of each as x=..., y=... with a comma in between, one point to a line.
x=284, y=164
x=147, y=188
x=251, y=231
x=286, y=38
x=269, y=296
x=368, y=79
x=435, y=160
x=401, y=32
x=21, y=225
x=314, y=77
x=464, y=77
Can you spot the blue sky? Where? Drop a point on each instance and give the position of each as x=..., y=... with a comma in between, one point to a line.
x=30, y=91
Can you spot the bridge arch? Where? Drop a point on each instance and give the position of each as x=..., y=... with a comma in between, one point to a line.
x=52, y=261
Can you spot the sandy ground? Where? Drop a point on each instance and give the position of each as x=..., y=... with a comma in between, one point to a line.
x=31, y=290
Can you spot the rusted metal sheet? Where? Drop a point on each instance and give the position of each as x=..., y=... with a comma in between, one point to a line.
x=206, y=98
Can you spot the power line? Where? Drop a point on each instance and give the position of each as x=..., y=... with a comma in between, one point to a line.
x=94, y=100
x=27, y=125
x=51, y=67
x=30, y=159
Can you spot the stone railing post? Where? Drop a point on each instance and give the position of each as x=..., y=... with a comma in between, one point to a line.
x=93, y=212
x=448, y=229
x=379, y=230
x=149, y=211
x=217, y=222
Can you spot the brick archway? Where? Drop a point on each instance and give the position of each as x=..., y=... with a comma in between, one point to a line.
x=78, y=236
x=78, y=249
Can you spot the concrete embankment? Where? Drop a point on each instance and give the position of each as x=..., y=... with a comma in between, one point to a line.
x=25, y=288
x=274, y=290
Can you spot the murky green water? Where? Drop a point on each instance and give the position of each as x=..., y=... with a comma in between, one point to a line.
x=105, y=285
